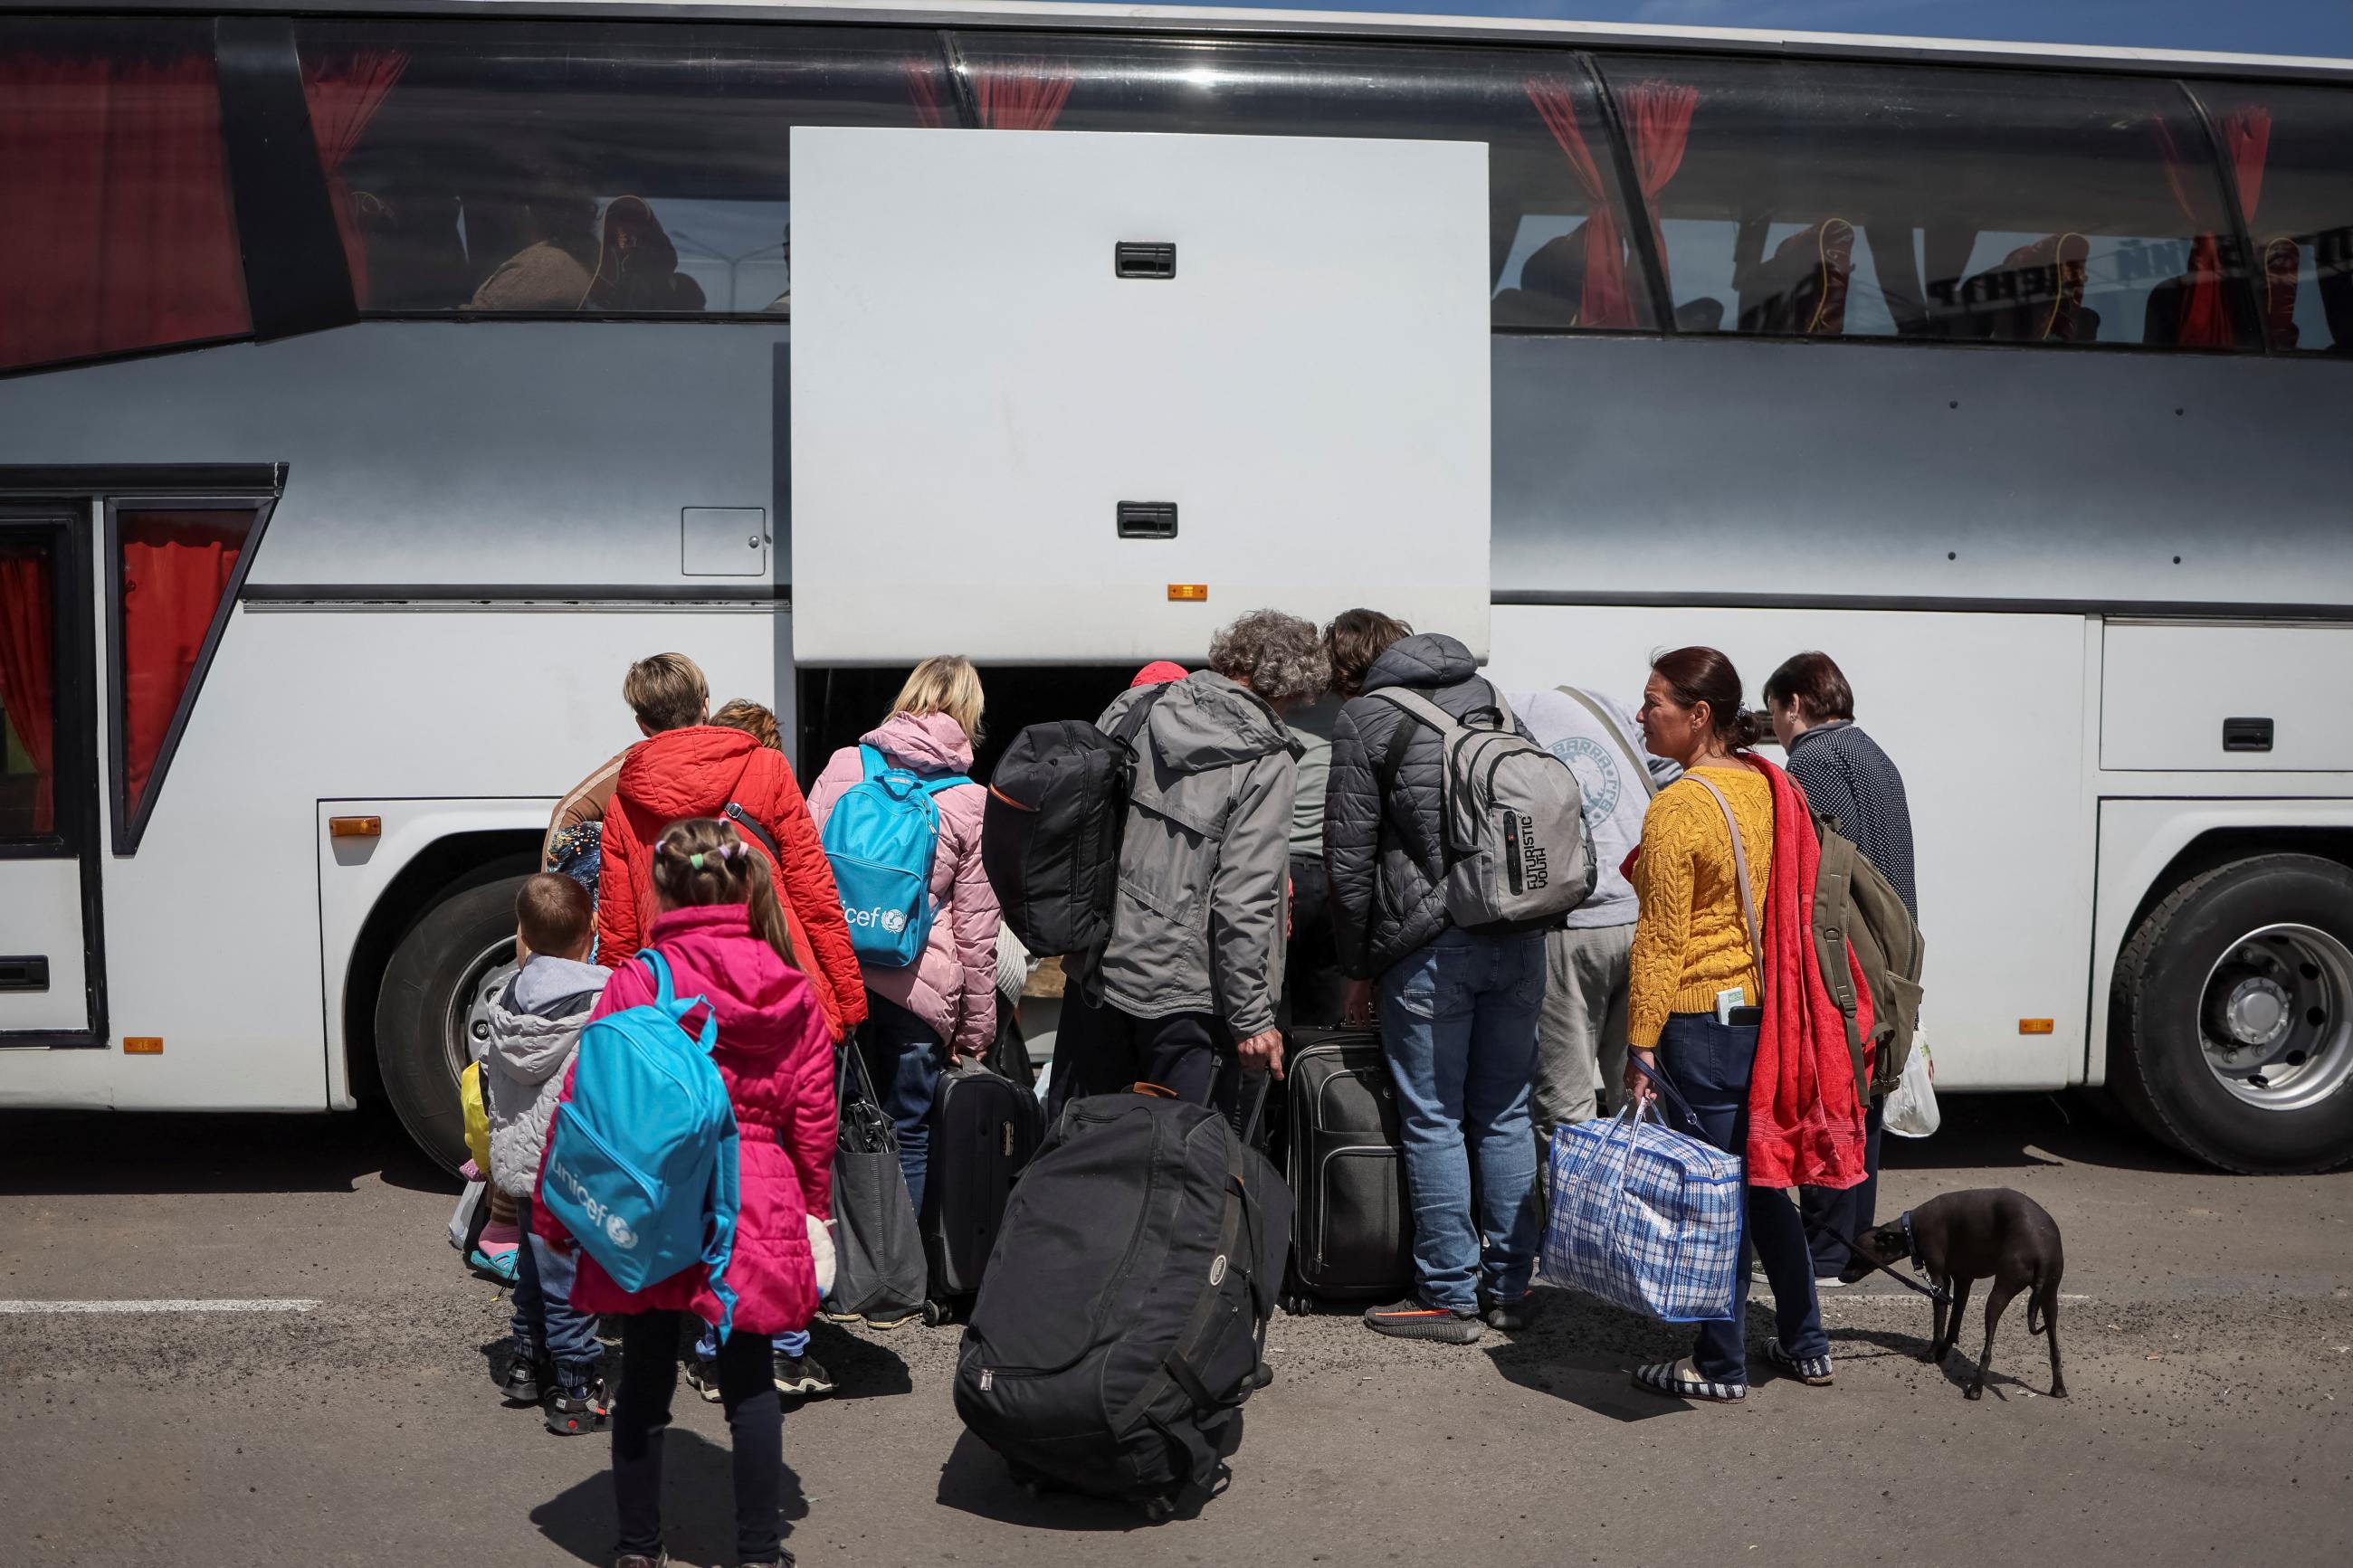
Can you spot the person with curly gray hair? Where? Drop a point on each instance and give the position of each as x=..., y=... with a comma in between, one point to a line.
x=1184, y=994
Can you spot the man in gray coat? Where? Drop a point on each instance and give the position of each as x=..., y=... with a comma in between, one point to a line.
x=1183, y=995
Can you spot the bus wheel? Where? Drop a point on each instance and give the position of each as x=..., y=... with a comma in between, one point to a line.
x=433, y=1013
x=2232, y=1031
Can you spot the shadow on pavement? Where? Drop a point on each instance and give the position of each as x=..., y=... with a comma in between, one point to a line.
x=1958, y=1367
x=47, y=1153
x=698, y=1504
x=2029, y=1132
x=975, y=1481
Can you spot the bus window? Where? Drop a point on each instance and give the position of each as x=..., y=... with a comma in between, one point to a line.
x=1805, y=199
x=114, y=192
x=28, y=806
x=2291, y=152
x=1558, y=255
x=608, y=170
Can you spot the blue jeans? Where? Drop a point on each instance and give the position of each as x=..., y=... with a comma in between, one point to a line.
x=1710, y=1063
x=904, y=1058
x=1459, y=1028
x=793, y=1344
x=545, y=1324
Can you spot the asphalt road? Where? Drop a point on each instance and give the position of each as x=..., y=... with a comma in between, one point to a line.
x=2208, y=1327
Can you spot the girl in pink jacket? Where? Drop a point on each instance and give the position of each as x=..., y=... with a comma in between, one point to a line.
x=723, y=934
x=944, y=1003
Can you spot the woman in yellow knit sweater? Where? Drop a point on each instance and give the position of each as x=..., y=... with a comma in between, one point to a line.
x=1695, y=990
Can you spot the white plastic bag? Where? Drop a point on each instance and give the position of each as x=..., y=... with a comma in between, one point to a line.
x=464, y=1221
x=1911, y=1108
x=820, y=1237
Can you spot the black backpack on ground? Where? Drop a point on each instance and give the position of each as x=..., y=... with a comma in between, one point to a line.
x=1352, y=1237
x=1049, y=834
x=984, y=1128
x=1123, y=1319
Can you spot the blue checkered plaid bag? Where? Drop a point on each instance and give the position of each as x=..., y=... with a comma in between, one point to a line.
x=1645, y=1218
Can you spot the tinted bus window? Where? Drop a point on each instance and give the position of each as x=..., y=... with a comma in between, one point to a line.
x=606, y=170
x=2291, y=154
x=113, y=191
x=1551, y=173
x=1801, y=199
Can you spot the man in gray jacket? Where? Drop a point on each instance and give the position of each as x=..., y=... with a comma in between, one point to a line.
x=1183, y=995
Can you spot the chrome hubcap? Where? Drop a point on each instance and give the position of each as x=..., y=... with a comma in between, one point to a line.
x=2275, y=1017
x=469, y=1034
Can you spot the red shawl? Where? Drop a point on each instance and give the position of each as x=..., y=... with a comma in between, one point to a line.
x=1805, y=1125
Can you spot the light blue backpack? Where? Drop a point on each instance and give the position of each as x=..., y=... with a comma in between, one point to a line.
x=642, y=1158
x=882, y=838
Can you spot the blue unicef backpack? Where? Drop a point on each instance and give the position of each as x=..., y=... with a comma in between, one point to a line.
x=882, y=838
x=641, y=1160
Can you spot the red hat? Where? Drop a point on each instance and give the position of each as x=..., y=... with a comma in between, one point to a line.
x=1158, y=671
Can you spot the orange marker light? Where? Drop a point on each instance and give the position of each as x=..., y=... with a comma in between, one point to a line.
x=2037, y=1025
x=355, y=828
x=142, y=1044
x=1188, y=593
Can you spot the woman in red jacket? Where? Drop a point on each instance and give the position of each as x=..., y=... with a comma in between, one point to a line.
x=723, y=934
x=687, y=767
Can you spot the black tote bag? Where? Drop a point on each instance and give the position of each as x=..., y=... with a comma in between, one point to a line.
x=879, y=1270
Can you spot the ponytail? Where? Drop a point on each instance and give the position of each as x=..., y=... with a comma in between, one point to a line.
x=704, y=860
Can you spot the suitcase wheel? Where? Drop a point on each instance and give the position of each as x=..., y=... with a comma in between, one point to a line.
x=935, y=1313
x=1297, y=1306
x=1156, y=1508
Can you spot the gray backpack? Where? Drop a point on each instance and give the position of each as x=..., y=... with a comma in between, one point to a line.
x=1515, y=844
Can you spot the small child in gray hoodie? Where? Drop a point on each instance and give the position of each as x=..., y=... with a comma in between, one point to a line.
x=534, y=1029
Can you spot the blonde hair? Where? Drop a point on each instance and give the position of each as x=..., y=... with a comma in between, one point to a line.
x=667, y=691
x=945, y=683
x=760, y=724
x=703, y=860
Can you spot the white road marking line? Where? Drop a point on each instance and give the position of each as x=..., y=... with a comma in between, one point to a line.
x=223, y=1304
x=1840, y=1299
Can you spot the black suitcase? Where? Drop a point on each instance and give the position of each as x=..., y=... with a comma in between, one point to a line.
x=1122, y=1321
x=1353, y=1239
x=984, y=1128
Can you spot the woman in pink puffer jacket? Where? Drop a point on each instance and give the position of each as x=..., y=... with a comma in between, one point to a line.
x=944, y=1003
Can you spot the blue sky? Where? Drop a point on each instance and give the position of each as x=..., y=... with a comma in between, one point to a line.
x=2251, y=26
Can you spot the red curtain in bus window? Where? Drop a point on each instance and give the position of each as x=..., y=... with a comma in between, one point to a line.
x=1604, y=303
x=1658, y=119
x=1021, y=95
x=344, y=95
x=116, y=207
x=2246, y=136
x=176, y=568
x=923, y=93
x=28, y=689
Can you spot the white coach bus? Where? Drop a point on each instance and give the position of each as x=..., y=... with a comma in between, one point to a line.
x=377, y=381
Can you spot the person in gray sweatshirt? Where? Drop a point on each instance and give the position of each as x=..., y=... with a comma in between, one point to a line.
x=535, y=1025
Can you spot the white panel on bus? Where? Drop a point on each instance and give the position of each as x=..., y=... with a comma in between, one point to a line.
x=2226, y=698
x=40, y=916
x=976, y=390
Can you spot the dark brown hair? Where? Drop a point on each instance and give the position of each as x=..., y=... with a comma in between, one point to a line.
x=1697, y=675
x=554, y=913
x=742, y=713
x=704, y=860
x=1356, y=638
x=1815, y=684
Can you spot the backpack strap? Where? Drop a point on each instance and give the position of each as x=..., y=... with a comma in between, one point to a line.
x=666, y=997
x=1609, y=727
x=743, y=819
x=872, y=761
x=665, y=993
x=1131, y=724
x=1740, y=874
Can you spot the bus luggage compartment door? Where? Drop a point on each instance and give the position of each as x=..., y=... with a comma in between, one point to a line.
x=1082, y=397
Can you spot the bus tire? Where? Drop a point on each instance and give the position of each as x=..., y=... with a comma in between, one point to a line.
x=460, y=947
x=2231, y=1017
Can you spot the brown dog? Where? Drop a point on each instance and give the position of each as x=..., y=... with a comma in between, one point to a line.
x=1990, y=1233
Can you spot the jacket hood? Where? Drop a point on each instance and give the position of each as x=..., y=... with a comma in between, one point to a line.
x=545, y=983
x=525, y=1044
x=931, y=744
x=1205, y=720
x=693, y=772
x=1425, y=658
x=760, y=1001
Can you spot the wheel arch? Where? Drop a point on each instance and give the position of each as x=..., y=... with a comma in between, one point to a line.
x=446, y=858
x=2149, y=847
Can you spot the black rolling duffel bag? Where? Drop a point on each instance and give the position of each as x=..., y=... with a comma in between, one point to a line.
x=984, y=1128
x=1123, y=1318
x=1353, y=1237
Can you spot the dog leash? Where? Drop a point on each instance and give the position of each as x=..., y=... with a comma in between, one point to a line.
x=1937, y=1293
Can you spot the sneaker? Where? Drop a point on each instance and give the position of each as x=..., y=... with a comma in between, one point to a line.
x=703, y=1377
x=803, y=1375
x=1828, y=1282
x=575, y=1407
x=523, y=1381
x=886, y=1321
x=1814, y=1371
x=639, y=1560
x=1510, y=1317
x=1413, y=1319
x=499, y=1267
x=1676, y=1380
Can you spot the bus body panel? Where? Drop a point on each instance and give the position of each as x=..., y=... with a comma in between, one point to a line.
x=2173, y=692
x=1321, y=429
x=2000, y=806
x=41, y=915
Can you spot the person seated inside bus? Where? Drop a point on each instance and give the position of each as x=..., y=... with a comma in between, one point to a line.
x=637, y=264
x=2034, y=296
x=1551, y=292
x=1802, y=290
x=555, y=268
